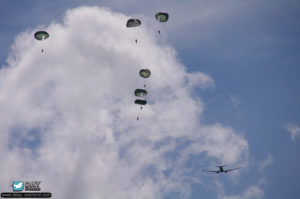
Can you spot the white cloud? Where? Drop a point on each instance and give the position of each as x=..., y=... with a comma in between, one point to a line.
x=293, y=129
x=235, y=100
x=266, y=162
x=253, y=192
x=73, y=106
x=199, y=80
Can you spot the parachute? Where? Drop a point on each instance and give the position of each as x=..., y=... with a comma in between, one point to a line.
x=133, y=23
x=140, y=92
x=41, y=35
x=145, y=73
x=162, y=16
x=140, y=102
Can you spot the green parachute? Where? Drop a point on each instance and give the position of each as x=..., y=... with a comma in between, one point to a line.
x=140, y=92
x=145, y=73
x=161, y=17
x=41, y=35
x=140, y=102
x=133, y=23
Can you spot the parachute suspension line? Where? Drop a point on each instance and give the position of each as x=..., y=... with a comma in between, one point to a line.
x=139, y=114
x=43, y=37
x=144, y=83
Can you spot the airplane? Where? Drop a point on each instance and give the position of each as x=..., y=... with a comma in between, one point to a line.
x=222, y=170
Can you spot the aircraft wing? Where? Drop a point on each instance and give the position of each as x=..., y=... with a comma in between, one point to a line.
x=233, y=169
x=210, y=171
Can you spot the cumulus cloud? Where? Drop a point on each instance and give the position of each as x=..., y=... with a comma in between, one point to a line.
x=68, y=118
x=199, y=80
x=253, y=192
x=293, y=129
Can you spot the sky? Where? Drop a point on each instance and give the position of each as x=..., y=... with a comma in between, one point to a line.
x=224, y=89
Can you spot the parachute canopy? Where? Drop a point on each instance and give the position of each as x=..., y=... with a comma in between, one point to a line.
x=162, y=16
x=133, y=23
x=145, y=73
x=140, y=102
x=41, y=35
x=140, y=92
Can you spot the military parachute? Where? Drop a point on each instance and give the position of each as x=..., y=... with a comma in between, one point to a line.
x=140, y=92
x=140, y=102
x=145, y=73
x=41, y=35
x=161, y=17
x=133, y=23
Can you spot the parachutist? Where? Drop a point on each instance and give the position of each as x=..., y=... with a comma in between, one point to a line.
x=159, y=32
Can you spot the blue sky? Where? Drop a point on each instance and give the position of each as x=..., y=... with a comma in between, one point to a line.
x=251, y=50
